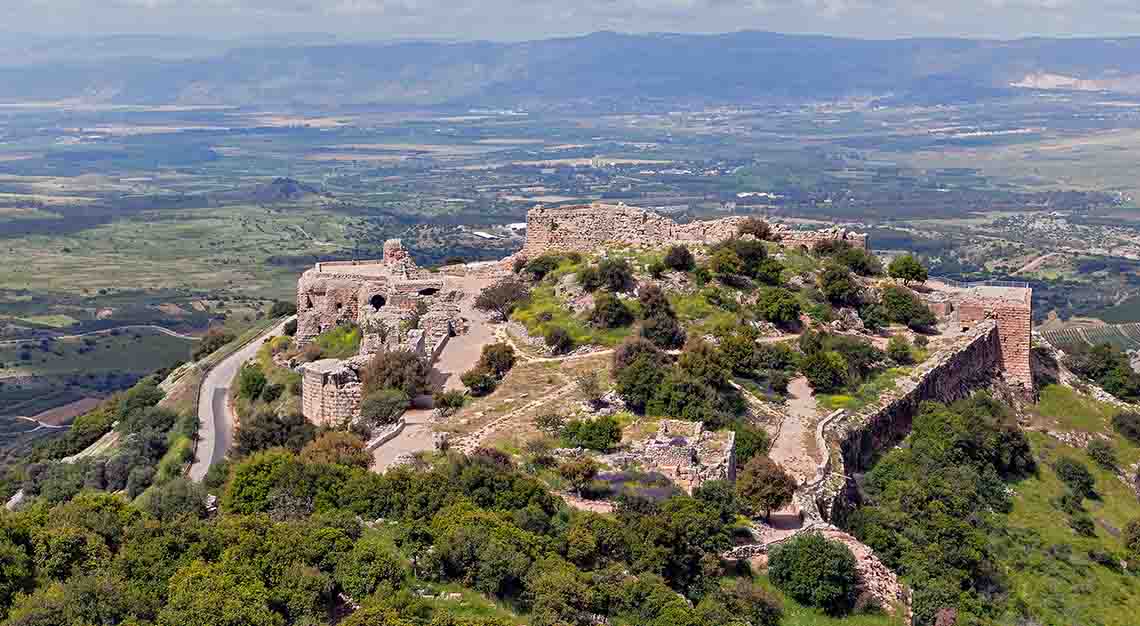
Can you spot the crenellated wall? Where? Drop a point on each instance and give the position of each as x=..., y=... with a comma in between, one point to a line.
x=590, y=227
x=854, y=440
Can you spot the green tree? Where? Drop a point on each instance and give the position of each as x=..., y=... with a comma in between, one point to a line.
x=369, y=565
x=579, y=472
x=907, y=269
x=558, y=339
x=480, y=381
x=502, y=298
x=337, y=448
x=218, y=595
x=904, y=307
x=779, y=306
x=599, y=434
x=176, y=499
x=251, y=381
x=815, y=571
x=763, y=486
x=1102, y=453
x=610, y=312
x=826, y=370
x=616, y=274
x=898, y=348
x=725, y=263
x=1075, y=475
x=396, y=369
x=498, y=357
x=265, y=429
x=839, y=286
x=543, y=265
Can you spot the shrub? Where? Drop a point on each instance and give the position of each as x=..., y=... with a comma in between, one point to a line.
x=543, y=265
x=264, y=430
x=630, y=349
x=838, y=286
x=826, y=370
x=558, y=339
x=282, y=309
x=1132, y=538
x=579, y=473
x=479, y=380
x=898, y=348
x=610, y=312
x=550, y=423
x=763, y=486
x=756, y=227
x=396, y=369
x=656, y=269
x=589, y=384
x=815, y=571
x=664, y=331
x=1083, y=525
x=725, y=263
x=1102, y=453
x=367, y=566
x=779, y=306
x=589, y=278
x=383, y=406
x=272, y=392
x=214, y=339
x=860, y=261
x=251, y=381
x=1075, y=475
x=616, y=274
x=1128, y=425
x=904, y=307
x=290, y=328
x=750, y=442
x=502, y=298
x=679, y=258
x=448, y=402
x=498, y=357
x=907, y=269
x=654, y=302
x=638, y=380
x=599, y=434
x=337, y=448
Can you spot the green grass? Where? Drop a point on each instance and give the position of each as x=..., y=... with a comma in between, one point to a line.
x=868, y=392
x=692, y=306
x=1073, y=411
x=1047, y=563
x=544, y=301
x=52, y=321
x=340, y=342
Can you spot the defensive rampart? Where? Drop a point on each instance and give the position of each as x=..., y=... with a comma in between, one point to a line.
x=853, y=440
x=588, y=228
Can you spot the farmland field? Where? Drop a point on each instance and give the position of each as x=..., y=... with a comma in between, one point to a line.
x=1123, y=336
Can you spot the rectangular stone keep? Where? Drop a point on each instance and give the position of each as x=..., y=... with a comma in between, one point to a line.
x=1012, y=309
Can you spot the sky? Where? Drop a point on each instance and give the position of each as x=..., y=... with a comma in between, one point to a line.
x=535, y=19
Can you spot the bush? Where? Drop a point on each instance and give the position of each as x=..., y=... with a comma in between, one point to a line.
x=396, y=369
x=1102, y=453
x=656, y=269
x=1132, y=539
x=750, y=442
x=725, y=263
x=907, y=269
x=502, y=298
x=664, y=331
x=1128, y=425
x=610, y=312
x=251, y=381
x=679, y=258
x=838, y=286
x=272, y=392
x=367, y=566
x=479, y=380
x=763, y=486
x=543, y=265
x=1083, y=525
x=756, y=227
x=628, y=351
x=337, y=448
x=264, y=430
x=448, y=402
x=498, y=357
x=558, y=339
x=860, y=261
x=815, y=571
x=383, y=406
x=282, y=309
x=1075, y=475
x=898, y=348
x=599, y=434
x=904, y=307
x=616, y=274
x=213, y=340
x=589, y=384
x=826, y=370
x=779, y=306
x=290, y=328
x=638, y=380
x=579, y=473
x=589, y=278
x=550, y=423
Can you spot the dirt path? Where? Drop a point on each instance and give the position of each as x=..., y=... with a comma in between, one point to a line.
x=467, y=443
x=1036, y=263
x=416, y=437
x=794, y=447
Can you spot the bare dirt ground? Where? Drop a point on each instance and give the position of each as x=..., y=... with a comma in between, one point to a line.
x=794, y=448
x=416, y=437
x=61, y=415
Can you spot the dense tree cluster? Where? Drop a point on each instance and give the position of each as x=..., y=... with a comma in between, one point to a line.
x=1107, y=366
x=494, y=362
x=928, y=504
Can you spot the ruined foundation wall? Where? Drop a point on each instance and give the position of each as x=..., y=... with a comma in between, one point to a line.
x=588, y=228
x=854, y=440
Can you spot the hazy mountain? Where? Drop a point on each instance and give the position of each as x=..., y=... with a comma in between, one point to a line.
x=602, y=66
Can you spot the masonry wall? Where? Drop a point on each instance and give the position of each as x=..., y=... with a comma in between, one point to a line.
x=856, y=440
x=587, y=228
x=1015, y=328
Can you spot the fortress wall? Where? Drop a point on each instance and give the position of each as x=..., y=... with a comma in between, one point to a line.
x=855, y=440
x=330, y=392
x=1014, y=317
x=588, y=228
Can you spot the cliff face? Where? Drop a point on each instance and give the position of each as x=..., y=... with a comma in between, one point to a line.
x=854, y=440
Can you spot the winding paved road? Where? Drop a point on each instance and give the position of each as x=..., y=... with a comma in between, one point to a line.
x=215, y=418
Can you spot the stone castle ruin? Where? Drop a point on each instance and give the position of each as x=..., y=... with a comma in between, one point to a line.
x=589, y=228
x=396, y=304
x=685, y=453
